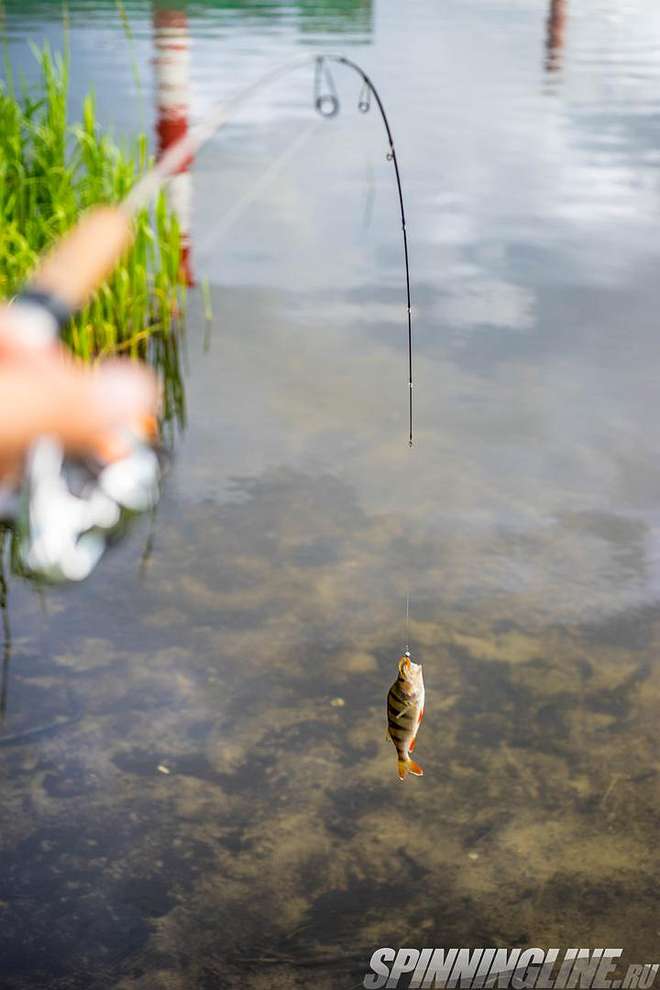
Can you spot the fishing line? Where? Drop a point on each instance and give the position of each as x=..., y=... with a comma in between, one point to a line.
x=265, y=180
x=408, y=619
x=327, y=104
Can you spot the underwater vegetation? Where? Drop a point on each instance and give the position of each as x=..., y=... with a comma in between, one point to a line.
x=51, y=170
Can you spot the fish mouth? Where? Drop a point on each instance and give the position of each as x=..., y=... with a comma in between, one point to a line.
x=410, y=665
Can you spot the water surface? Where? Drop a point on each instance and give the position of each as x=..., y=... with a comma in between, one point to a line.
x=249, y=650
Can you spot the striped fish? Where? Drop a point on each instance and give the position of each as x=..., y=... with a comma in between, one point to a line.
x=405, y=710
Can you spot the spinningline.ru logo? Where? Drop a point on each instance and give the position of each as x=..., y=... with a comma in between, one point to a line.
x=518, y=969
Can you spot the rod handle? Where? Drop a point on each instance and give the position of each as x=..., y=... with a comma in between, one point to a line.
x=80, y=262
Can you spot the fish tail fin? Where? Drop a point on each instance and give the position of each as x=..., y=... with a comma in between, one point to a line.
x=409, y=766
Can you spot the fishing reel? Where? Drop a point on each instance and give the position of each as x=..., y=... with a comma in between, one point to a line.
x=67, y=510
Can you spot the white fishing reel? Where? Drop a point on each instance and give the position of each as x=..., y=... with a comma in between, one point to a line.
x=70, y=511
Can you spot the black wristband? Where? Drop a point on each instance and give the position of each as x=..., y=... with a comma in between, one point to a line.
x=57, y=308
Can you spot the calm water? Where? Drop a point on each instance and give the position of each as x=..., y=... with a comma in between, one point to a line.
x=220, y=642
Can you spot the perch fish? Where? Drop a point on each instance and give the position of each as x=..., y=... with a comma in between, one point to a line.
x=405, y=710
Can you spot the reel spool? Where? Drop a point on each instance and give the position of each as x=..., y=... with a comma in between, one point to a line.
x=70, y=511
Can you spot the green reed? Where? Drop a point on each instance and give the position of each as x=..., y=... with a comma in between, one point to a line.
x=52, y=170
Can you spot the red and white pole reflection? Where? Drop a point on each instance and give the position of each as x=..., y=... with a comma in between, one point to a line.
x=172, y=70
x=555, y=35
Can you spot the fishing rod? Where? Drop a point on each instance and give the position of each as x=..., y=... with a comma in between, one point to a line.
x=65, y=526
x=327, y=104
x=363, y=106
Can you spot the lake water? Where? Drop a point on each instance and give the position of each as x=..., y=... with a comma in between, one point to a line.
x=245, y=639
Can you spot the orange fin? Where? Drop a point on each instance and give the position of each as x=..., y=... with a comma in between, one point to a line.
x=412, y=745
x=409, y=766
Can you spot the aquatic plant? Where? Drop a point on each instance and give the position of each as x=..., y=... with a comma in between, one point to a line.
x=50, y=172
